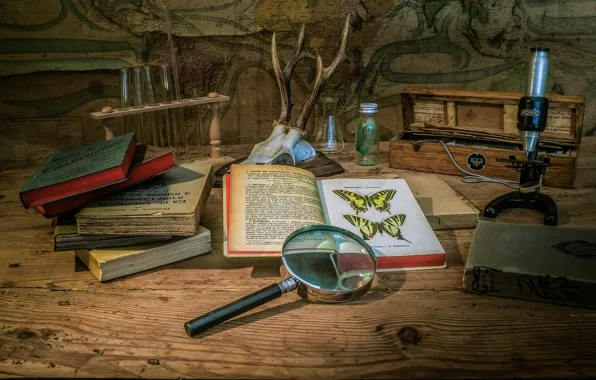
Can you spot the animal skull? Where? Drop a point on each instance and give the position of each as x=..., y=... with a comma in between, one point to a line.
x=285, y=143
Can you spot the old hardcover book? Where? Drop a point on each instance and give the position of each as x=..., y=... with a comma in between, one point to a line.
x=67, y=238
x=169, y=204
x=443, y=207
x=108, y=264
x=149, y=161
x=534, y=262
x=264, y=204
x=80, y=170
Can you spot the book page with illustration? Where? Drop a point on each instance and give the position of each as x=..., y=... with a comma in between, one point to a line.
x=266, y=204
x=386, y=215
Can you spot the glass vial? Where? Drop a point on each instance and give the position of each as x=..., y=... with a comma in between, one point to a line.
x=166, y=96
x=328, y=137
x=368, y=136
x=125, y=99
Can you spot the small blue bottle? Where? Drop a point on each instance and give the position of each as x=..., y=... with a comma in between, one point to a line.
x=368, y=136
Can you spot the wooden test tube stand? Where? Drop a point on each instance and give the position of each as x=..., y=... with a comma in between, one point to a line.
x=109, y=116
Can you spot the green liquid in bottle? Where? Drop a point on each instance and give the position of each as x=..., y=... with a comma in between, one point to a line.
x=367, y=136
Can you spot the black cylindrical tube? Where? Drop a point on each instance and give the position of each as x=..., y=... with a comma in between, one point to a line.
x=232, y=310
x=533, y=108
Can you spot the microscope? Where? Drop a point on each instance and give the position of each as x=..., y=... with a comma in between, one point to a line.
x=531, y=121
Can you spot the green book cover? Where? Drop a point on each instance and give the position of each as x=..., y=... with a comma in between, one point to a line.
x=80, y=162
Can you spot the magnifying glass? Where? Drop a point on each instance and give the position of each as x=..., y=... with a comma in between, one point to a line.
x=327, y=264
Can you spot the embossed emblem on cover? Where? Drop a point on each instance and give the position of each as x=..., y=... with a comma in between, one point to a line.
x=578, y=248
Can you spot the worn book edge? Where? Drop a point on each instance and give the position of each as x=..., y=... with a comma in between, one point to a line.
x=529, y=286
x=190, y=245
x=29, y=185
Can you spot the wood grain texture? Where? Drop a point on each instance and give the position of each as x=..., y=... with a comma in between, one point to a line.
x=140, y=334
x=482, y=96
x=121, y=112
x=491, y=112
x=433, y=158
x=586, y=163
x=56, y=319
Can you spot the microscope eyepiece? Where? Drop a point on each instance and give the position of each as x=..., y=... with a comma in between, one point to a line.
x=533, y=107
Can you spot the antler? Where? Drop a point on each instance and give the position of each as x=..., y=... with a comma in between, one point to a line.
x=284, y=76
x=322, y=77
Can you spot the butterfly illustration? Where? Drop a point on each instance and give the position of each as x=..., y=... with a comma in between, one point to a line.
x=361, y=203
x=369, y=229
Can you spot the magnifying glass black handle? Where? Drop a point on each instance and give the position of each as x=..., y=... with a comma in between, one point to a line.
x=231, y=310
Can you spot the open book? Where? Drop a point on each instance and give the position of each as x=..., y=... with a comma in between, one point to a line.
x=264, y=204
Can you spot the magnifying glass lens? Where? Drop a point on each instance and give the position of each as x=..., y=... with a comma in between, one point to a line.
x=328, y=260
x=327, y=264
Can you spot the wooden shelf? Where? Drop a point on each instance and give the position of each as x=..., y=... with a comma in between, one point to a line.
x=121, y=112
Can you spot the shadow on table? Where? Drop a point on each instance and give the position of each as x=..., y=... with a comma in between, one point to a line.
x=370, y=297
x=250, y=318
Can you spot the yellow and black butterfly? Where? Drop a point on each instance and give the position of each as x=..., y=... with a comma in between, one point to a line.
x=369, y=229
x=361, y=203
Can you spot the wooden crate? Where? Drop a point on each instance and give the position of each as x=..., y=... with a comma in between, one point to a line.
x=478, y=124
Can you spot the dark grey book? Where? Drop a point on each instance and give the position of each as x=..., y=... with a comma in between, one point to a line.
x=534, y=262
x=67, y=238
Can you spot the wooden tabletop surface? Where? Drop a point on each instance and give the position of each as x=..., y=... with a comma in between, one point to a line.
x=57, y=320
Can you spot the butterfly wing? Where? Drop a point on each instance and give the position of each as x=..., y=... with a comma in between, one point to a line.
x=380, y=200
x=392, y=226
x=357, y=201
x=367, y=228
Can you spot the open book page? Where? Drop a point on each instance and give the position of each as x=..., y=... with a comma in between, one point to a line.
x=268, y=203
x=385, y=213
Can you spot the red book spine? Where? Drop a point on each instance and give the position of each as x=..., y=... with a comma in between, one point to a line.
x=80, y=185
x=137, y=174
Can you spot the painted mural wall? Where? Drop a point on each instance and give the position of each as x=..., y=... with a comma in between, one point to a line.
x=60, y=58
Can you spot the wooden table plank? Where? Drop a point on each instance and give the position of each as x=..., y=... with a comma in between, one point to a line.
x=38, y=267
x=140, y=333
x=56, y=319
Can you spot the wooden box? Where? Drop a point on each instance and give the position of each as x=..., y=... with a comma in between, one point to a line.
x=478, y=127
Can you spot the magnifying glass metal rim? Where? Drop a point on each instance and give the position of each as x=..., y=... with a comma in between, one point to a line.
x=305, y=289
x=326, y=227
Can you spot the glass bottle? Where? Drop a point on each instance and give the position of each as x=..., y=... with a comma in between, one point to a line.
x=368, y=136
x=328, y=137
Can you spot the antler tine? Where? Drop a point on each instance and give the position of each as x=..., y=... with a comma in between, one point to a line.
x=285, y=96
x=322, y=77
x=284, y=77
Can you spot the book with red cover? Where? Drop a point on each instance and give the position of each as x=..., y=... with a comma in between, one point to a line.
x=80, y=170
x=263, y=204
x=149, y=161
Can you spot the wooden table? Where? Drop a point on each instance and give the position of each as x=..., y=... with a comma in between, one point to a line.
x=56, y=319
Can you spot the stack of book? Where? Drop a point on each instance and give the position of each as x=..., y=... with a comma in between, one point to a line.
x=122, y=207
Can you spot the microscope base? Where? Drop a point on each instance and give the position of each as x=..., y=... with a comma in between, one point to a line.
x=540, y=202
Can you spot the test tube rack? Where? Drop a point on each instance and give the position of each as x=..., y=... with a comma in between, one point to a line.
x=109, y=116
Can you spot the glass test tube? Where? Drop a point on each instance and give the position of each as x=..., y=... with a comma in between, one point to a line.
x=167, y=94
x=150, y=117
x=139, y=101
x=127, y=123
